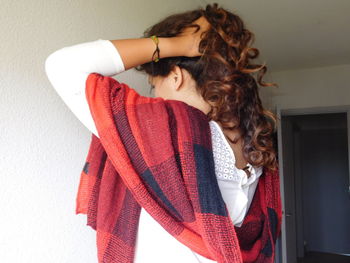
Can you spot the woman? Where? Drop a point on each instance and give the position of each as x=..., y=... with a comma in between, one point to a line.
x=201, y=58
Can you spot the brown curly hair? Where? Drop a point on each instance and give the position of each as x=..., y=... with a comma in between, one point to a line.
x=225, y=77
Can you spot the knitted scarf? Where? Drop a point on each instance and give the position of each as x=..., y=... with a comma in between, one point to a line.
x=157, y=154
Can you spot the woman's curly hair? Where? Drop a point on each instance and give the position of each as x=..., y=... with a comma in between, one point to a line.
x=225, y=77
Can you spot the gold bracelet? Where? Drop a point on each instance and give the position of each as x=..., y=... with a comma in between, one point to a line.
x=156, y=41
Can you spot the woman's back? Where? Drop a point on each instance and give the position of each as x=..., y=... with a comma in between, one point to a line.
x=236, y=191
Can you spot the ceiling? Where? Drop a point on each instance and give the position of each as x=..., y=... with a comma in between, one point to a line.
x=296, y=34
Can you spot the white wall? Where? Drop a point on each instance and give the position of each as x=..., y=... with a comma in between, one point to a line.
x=307, y=88
x=43, y=146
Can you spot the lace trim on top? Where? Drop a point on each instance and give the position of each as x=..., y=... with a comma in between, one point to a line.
x=224, y=158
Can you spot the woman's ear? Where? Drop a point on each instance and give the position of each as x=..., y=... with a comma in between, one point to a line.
x=177, y=77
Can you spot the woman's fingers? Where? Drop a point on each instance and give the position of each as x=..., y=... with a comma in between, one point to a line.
x=191, y=38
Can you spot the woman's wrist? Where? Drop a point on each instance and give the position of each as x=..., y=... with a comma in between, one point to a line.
x=137, y=51
x=171, y=47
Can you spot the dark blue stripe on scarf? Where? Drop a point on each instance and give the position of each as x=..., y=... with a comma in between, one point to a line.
x=209, y=193
x=123, y=126
x=149, y=179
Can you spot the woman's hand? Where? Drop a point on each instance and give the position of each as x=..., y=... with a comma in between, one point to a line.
x=189, y=39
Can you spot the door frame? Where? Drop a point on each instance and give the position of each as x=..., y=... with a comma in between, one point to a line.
x=281, y=246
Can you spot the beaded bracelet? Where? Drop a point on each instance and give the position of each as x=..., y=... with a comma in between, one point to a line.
x=156, y=41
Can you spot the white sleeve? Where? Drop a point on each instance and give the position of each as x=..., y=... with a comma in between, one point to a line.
x=68, y=68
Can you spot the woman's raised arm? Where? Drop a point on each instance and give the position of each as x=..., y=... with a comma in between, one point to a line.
x=135, y=52
x=68, y=68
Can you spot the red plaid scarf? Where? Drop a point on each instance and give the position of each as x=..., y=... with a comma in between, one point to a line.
x=157, y=154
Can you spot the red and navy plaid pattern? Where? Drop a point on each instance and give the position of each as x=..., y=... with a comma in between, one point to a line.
x=157, y=154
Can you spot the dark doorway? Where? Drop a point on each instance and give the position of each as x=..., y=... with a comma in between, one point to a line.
x=316, y=184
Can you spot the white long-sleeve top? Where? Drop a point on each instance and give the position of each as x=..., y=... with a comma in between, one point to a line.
x=68, y=68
